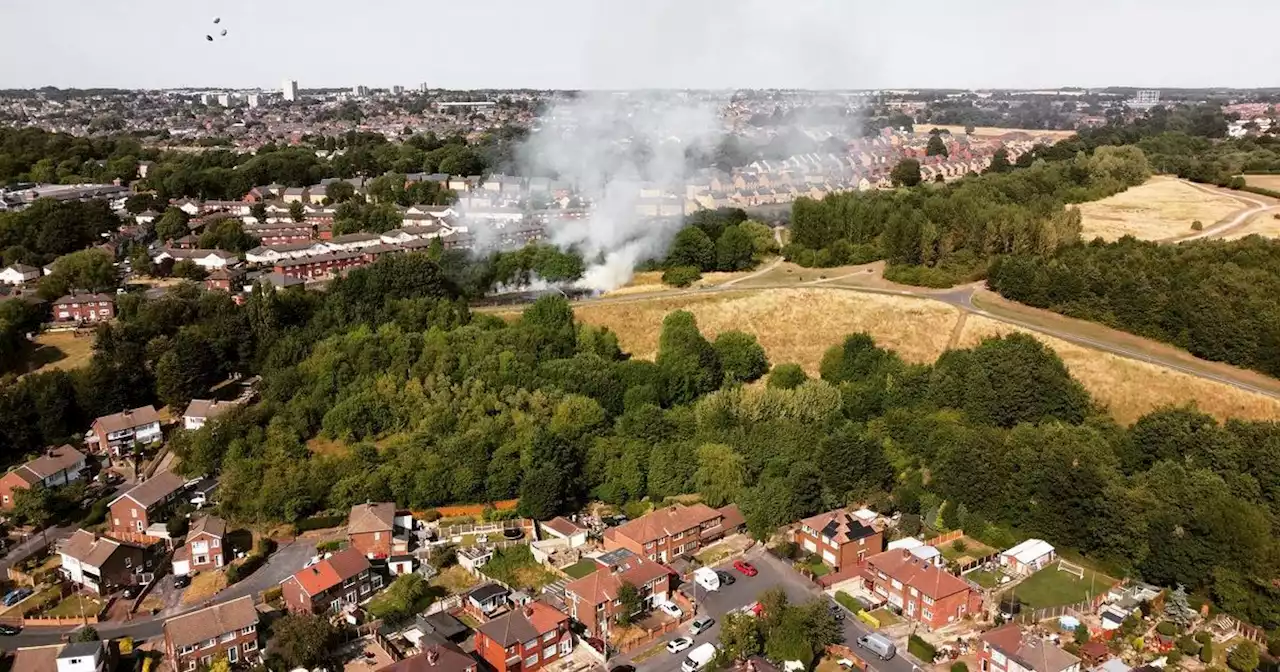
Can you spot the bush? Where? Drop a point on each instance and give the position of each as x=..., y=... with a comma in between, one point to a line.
x=1167, y=628
x=330, y=546
x=959, y=546
x=959, y=665
x=457, y=520
x=848, y=601
x=1244, y=657
x=681, y=276
x=1188, y=645
x=266, y=546
x=318, y=523
x=97, y=513
x=787, y=549
x=251, y=563
x=921, y=649
x=1197, y=225
x=1203, y=637
x=1173, y=657
x=273, y=595
x=1206, y=652
x=431, y=515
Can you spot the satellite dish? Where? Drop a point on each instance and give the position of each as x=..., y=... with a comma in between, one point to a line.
x=217, y=19
x=224, y=32
x=208, y=37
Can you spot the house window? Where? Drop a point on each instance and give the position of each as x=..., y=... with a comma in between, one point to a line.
x=925, y=598
x=926, y=614
x=377, y=536
x=251, y=646
x=191, y=665
x=215, y=543
x=206, y=660
x=213, y=641
x=335, y=605
x=531, y=661
x=128, y=562
x=133, y=512
x=549, y=652
x=233, y=655
x=248, y=629
x=228, y=636
x=140, y=527
x=377, y=582
x=549, y=636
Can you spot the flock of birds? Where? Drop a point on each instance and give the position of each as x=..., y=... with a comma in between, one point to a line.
x=216, y=20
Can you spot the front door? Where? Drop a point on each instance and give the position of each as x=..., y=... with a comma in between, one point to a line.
x=217, y=560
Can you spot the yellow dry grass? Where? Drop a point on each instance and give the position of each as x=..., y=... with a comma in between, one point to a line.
x=1265, y=224
x=62, y=350
x=648, y=282
x=1161, y=208
x=1264, y=181
x=204, y=586
x=1130, y=388
x=991, y=131
x=793, y=325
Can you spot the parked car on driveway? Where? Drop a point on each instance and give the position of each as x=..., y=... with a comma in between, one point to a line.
x=726, y=579
x=15, y=596
x=679, y=644
x=182, y=581
x=700, y=625
x=670, y=609
x=745, y=567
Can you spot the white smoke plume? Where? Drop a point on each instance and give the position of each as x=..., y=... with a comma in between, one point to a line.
x=617, y=150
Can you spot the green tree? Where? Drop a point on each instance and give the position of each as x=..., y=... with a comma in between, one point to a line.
x=1000, y=162
x=1244, y=657
x=258, y=211
x=297, y=212
x=740, y=636
x=89, y=270
x=339, y=191
x=188, y=269
x=172, y=225
x=906, y=173
x=936, y=147
x=721, y=474
x=304, y=640
x=741, y=356
x=87, y=633
x=692, y=247
x=1082, y=634
x=959, y=666
x=735, y=250
x=629, y=603
x=787, y=376
x=36, y=506
x=186, y=371
x=688, y=363
x=542, y=493
x=762, y=240
x=1206, y=652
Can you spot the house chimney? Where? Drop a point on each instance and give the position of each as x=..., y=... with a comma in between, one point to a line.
x=528, y=611
x=433, y=654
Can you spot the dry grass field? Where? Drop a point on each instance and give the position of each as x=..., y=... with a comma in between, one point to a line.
x=62, y=350
x=651, y=281
x=1264, y=181
x=993, y=132
x=1265, y=224
x=793, y=325
x=798, y=325
x=1160, y=209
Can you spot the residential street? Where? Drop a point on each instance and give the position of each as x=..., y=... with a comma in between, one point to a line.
x=772, y=573
x=286, y=560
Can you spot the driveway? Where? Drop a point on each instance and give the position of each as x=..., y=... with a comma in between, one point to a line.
x=773, y=573
x=287, y=559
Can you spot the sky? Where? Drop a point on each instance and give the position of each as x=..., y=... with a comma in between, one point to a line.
x=616, y=44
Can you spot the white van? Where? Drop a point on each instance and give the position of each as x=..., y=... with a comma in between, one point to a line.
x=699, y=658
x=878, y=644
x=707, y=578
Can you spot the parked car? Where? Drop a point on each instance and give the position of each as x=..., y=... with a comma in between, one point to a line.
x=670, y=609
x=131, y=592
x=726, y=579
x=15, y=596
x=9, y=630
x=623, y=668
x=679, y=644
x=837, y=612
x=700, y=625
x=182, y=581
x=745, y=567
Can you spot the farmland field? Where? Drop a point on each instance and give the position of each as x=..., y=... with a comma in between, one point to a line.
x=1264, y=181
x=1160, y=209
x=1265, y=224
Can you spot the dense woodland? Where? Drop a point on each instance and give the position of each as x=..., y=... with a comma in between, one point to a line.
x=1219, y=300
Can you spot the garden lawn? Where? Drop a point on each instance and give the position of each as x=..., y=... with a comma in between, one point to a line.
x=75, y=606
x=984, y=578
x=581, y=568
x=455, y=580
x=1051, y=587
x=818, y=567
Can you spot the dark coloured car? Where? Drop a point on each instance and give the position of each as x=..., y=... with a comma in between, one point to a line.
x=623, y=668
x=837, y=612
x=726, y=578
x=9, y=630
x=131, y=592
x=182, y=581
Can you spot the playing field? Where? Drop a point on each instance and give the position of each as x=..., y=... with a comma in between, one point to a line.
x=1051, y=587
x=1161, y=209
x=61, y=350
x=993, y=132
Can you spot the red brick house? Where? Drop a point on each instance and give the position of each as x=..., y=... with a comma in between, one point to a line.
x=225, y=280
x=204, y=548
x=230, y=630
x=99, y=564
x=54, y=468
x=1009, y=649
x=343, y=579
x=145, y=504
x=920, y=590
x=525, y=639
x=664, y=534
x=370, y=527
x=110, y=433
x=84, y=308
x=592, y=600
x=319, y=266
x=840, y=538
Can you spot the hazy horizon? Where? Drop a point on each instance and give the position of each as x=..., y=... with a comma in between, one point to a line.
x=658, y=44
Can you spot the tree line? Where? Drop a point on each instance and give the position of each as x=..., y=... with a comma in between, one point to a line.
x=944, y=234
x=1219, y=300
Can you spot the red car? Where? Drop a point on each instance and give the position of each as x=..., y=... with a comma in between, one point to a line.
x=745, y=567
